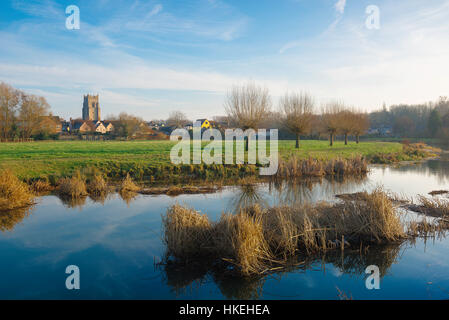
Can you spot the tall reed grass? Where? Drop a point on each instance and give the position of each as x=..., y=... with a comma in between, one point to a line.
x=73, y=187
x=97, y=186
x=128, y=185
x=296, y=167
x=257, y=240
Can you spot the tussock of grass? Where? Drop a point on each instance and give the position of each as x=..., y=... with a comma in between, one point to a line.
x=73, y=187
x=187, y=233
x=128, y=185
x=13, y=192
x=258, y=240
x=239, y=239
x=435, y=207
x=374, y=218
x=97, y=185
x=40, y=186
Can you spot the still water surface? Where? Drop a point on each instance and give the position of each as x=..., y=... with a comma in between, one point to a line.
x=116, y=244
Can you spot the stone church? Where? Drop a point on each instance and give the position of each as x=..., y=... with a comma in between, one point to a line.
x=91, y=108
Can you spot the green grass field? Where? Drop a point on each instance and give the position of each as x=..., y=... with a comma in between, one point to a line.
x=60, y=158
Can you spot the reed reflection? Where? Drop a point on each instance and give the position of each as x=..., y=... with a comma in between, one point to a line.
x=182, y=279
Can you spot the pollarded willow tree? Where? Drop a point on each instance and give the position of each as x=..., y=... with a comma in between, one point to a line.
x=330, y=120
x=346, y=123
x=361, y=124
x=177, y=119
x=297, y=111
x=247, y=106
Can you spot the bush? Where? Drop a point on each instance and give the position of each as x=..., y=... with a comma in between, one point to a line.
x=13, y=192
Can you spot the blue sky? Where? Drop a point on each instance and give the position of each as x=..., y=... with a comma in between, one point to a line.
x=153, y=57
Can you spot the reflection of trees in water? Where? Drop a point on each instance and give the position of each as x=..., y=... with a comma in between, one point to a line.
x=247, y=195
x=300, y=191
x=183, y=278
x=436, y=168
x=9, y=219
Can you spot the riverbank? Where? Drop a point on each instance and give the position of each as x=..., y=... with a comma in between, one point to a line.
x=150, y=160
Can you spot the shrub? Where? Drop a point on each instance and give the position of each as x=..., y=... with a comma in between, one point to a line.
x=13, y=192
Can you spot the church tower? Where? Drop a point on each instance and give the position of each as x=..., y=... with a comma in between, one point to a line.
x=91, y=108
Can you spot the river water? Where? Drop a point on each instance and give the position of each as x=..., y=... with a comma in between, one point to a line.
x=116, y=244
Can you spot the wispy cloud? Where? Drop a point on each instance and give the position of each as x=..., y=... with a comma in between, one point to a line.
x=38, y=8
x=340, y=6
x=156, y=9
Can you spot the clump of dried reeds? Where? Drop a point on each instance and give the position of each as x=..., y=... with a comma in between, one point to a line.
x=41, y=185
x=373, y=217
x=435, y=207
x=97, y=185
x=296, y=167
x=239, y=239
x=74, y=187
x=13, y=192
x=128, y=185
x=257, y=240
x=187, y=233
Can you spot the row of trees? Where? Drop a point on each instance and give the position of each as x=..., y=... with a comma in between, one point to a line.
x=249, y=106
x=415, y=121
x=21, y=114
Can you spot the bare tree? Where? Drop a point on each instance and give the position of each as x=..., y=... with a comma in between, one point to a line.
x=127, y=125
x=297, y=110
x=247, y=106
x=31, y=112
x=9, y=102
x=330, y=120
x=346, y=123
x=177, y=119
x=361, y=124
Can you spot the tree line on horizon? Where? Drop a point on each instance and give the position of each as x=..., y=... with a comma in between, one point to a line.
x=297, y=115
x=250, y=106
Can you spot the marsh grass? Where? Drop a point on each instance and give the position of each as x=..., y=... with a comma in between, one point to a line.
x=239, y=239
x=296, y=167
x=13, y=192
x=259, y=240
x=128, y=185
x=97, y=186
x=187, y=233
x=435, y=207
x=41, y=186
x=74, y=187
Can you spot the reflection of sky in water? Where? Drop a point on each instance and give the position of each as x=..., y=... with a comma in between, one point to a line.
x=115, y=246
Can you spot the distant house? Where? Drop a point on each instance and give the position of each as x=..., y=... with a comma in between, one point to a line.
x=109, y=126
x=381, y=131
x=205, y=124
x=156, y=124
x=100, y=128
x=88, y=126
